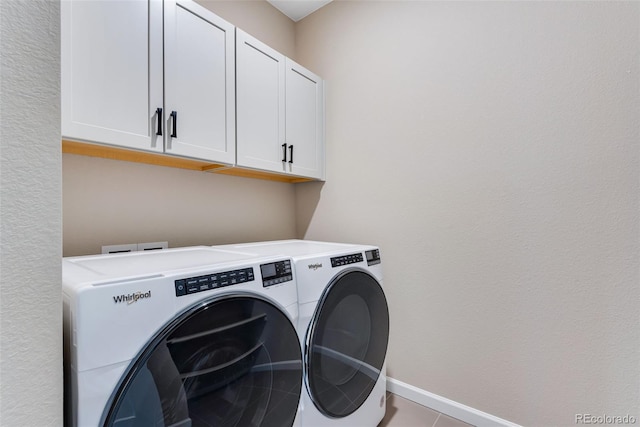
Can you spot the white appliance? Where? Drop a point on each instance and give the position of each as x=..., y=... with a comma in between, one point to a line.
x=181, y=337
x=344, y=326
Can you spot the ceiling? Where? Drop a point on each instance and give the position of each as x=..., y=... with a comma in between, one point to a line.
x=298, y=9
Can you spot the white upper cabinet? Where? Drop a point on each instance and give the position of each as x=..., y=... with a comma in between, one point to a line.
x=112, y=72
x=169, y=76
x=199, y=79
x=280, y=112
x=112, y=77
x=305, y=121
x=260, y=83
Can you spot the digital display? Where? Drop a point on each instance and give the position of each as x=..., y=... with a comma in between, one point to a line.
x=268, y=270
x=276, y=272
x=373, y=257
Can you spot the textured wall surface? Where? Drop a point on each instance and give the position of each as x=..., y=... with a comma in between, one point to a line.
x=492, y=150
x=30, y=215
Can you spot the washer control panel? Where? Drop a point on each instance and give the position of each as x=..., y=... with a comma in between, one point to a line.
x=346, y=259
x=276, y=272
x=193, y=285
x=373, y=257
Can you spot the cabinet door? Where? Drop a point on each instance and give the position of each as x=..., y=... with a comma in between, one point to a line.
x=111, y=54
x=305, y=121
x=260, y=112
x=199, y=83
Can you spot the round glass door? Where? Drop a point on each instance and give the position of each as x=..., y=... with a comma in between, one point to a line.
x=347, y=343
x=232, y=361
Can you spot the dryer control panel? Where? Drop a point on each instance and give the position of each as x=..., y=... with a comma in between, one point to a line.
x=339, y=261
x=192, y=285
x=373, y=257
x=276, y=272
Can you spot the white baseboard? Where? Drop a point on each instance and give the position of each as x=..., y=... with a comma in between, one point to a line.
x=445, y=406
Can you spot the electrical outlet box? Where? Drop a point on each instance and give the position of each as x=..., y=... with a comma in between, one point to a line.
x=153, y=246
x=117, y=249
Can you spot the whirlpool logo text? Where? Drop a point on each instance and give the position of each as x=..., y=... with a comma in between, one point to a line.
x=315, y=266
x=131, y=298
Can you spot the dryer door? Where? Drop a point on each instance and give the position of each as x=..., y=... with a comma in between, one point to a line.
x=232, y=361
x=346, y=343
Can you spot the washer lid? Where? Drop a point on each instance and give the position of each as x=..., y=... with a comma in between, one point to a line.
x=230, y=361
x=346, y=343
x=295, y=248
x=132, y=264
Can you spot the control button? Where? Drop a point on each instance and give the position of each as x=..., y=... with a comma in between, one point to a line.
x=346, y=260
x=181, y=288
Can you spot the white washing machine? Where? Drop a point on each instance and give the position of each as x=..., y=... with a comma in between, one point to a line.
x=344, y=326
x=181, y=337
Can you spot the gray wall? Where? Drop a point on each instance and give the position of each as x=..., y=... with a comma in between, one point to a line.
x=492, y=150
x=258, y=18
x=30, y=214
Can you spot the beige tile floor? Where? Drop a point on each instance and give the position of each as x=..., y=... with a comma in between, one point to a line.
x=405, y=413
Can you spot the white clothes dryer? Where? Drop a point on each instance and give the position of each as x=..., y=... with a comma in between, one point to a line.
x=181, y=337
x=344, y=326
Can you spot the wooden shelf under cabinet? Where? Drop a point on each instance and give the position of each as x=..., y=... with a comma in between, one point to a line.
x=123, y=154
